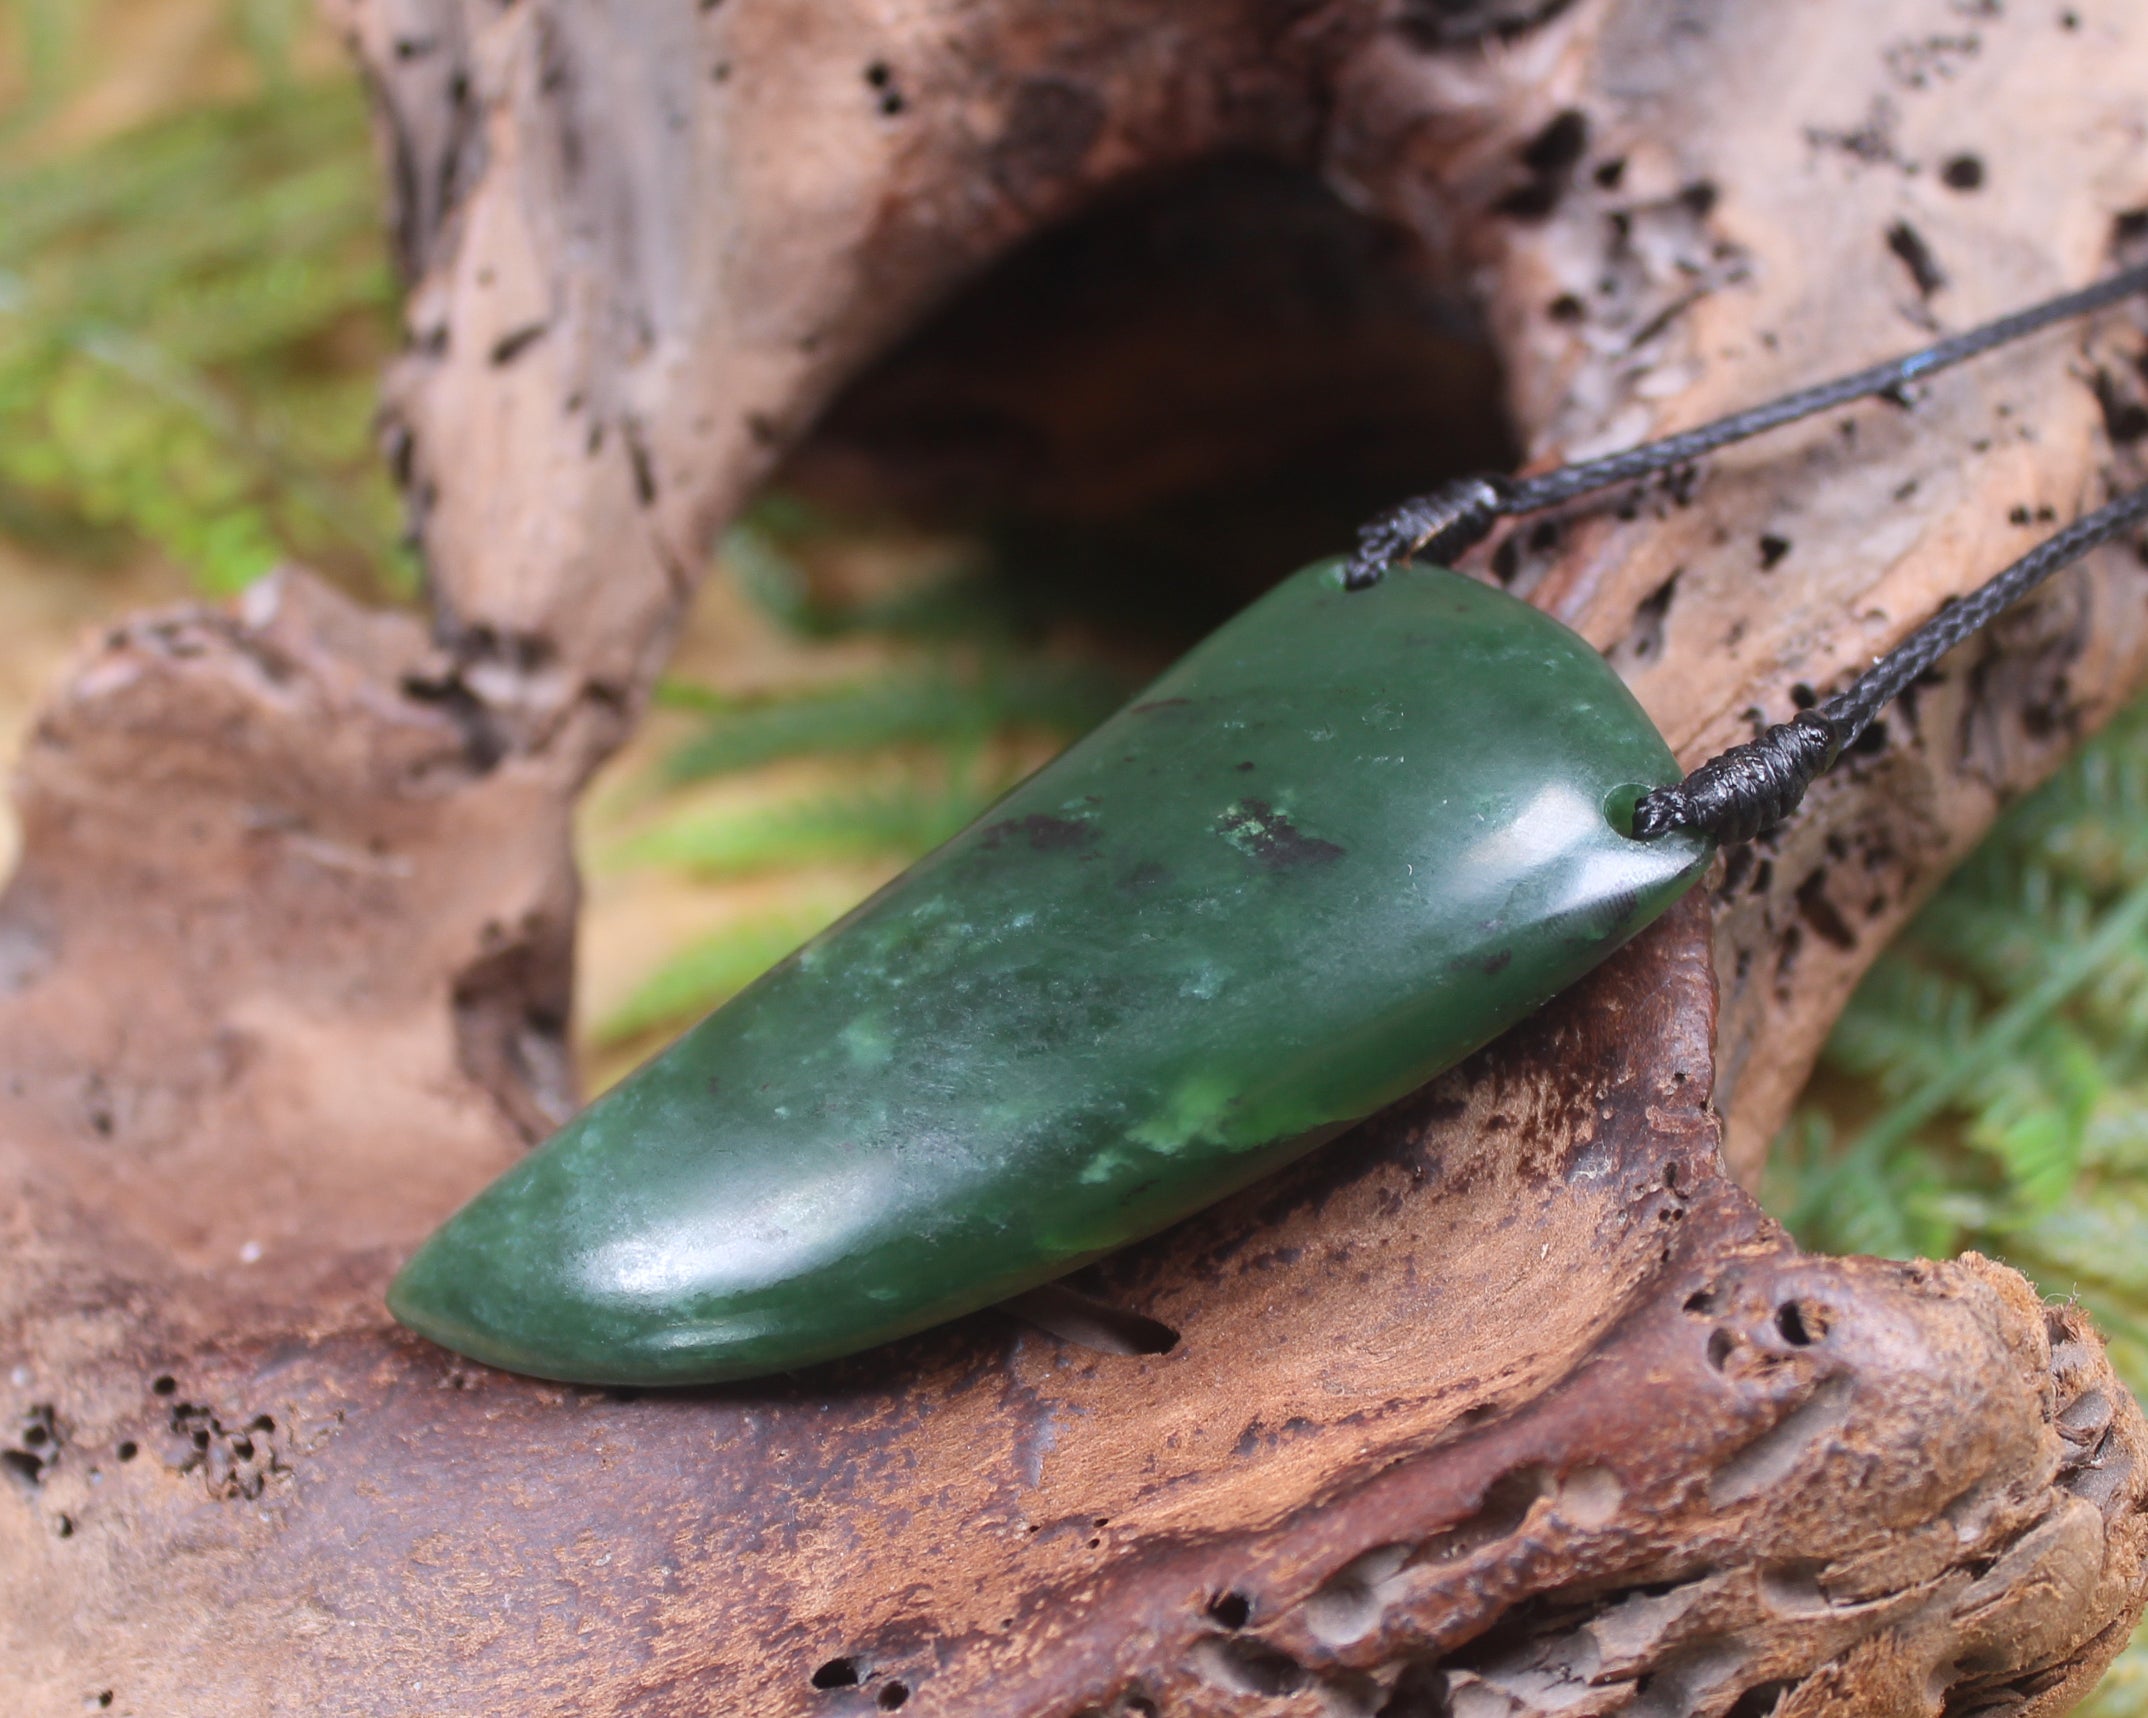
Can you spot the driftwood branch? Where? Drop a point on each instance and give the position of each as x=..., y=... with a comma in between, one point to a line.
x=1511, y=1402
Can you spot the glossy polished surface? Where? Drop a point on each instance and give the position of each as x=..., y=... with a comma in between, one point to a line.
x=1348, y=839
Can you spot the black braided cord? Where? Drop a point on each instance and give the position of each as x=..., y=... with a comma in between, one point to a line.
x=1755, y=786
x=1442, y=523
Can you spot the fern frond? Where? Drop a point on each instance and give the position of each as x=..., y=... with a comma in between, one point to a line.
x=933, y=706
x=713, y=970
x=898, y=821
x=2000, y=1039
x=190, y=317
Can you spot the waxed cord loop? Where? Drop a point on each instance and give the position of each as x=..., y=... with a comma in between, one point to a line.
x=1459, y=514
x=1752, y=787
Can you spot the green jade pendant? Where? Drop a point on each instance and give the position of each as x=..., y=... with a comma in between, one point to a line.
x=1348, y=839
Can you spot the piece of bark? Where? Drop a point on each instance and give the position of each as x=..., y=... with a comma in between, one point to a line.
x=1511, y=1402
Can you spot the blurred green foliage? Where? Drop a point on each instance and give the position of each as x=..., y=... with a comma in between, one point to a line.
x=1987, y=1086
x=192, y=317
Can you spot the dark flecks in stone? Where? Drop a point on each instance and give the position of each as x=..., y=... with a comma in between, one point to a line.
x=1160, y=704
x=1258, y=830
x=1248, y=764
x=1146, y=875
x=1772, y=551
x=1498, y=963
x=1045, y=833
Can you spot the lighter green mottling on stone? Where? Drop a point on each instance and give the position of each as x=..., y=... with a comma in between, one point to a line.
x=1088, y=1015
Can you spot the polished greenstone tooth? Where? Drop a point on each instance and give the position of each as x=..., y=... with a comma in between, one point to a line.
x=1348, y=839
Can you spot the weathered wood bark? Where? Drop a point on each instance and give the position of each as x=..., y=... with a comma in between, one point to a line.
x=1510, y=1403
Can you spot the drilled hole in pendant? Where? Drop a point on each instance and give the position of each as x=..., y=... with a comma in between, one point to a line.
x=1620, y=804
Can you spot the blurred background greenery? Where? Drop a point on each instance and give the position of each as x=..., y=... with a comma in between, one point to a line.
x=195, y=301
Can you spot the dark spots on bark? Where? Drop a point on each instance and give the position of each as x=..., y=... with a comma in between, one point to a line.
x=836, y=1673
x=1915, y=254
x=1559, y=145
x=887, y=94
x=35, y=1448
x=1791, y=945
x=1044, y=833
x=1549, y=158
x=1533, y=201
x=1230, y=1611
x=1699, y=198
x=1871, y=143
x=1258, y=830
x=514, y=343
x=1645, y=640
x=1051, y=126
x=644, y=466
x=2125, y=416
x=1822, y=915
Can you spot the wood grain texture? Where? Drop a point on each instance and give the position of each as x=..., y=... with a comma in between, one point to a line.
x=1511, y=1402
